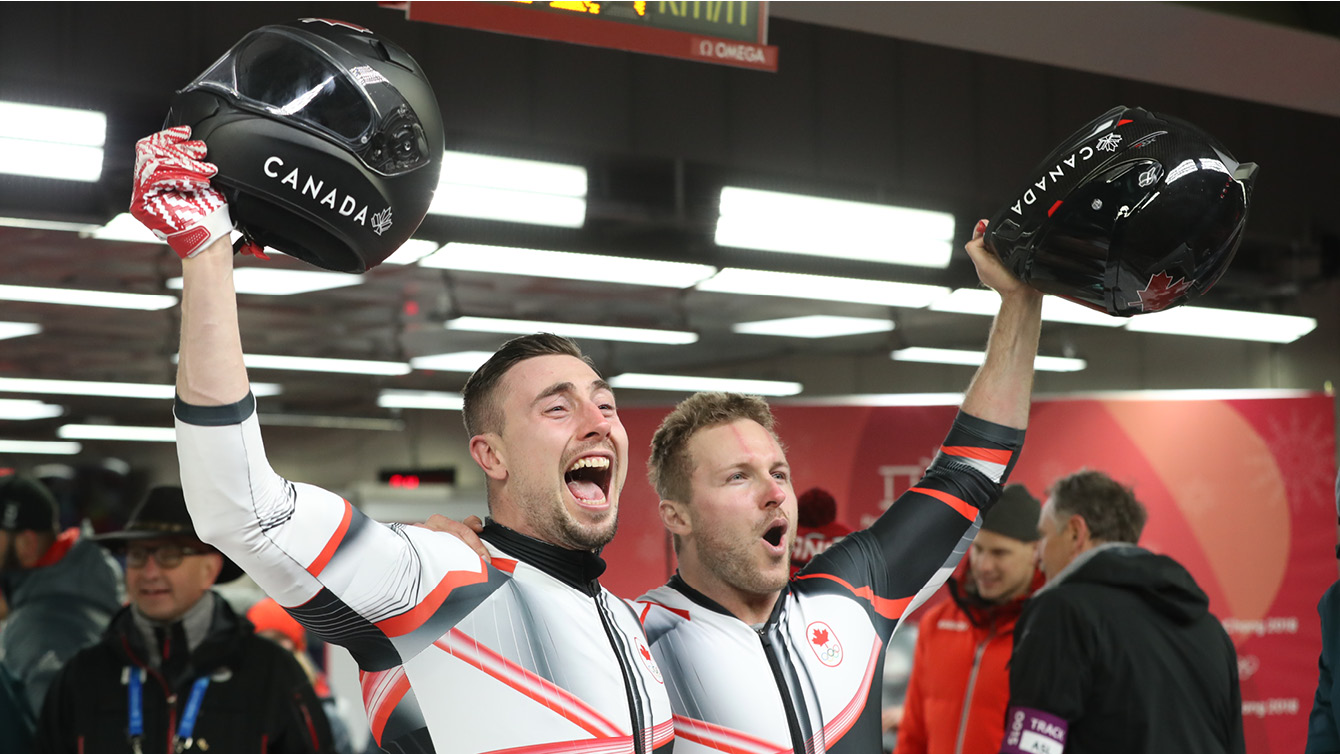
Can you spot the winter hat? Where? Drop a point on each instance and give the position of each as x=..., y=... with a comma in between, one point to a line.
x=1015, y=515
x=26, y=505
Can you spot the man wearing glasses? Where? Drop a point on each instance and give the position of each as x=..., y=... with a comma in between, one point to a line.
x=178, y=670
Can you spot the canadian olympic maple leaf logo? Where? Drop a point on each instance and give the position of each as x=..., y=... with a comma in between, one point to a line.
x=820, y=637
x=1161, y=292
x=381, y=221
x=824, y=643
x=645, y=654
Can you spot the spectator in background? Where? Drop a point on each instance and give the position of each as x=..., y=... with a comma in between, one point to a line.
x=1118, y=652
x=1323, y=726
x=274, y=623
x=960, y=683
x=61, y=589
x=197, y=674
x=817, y=527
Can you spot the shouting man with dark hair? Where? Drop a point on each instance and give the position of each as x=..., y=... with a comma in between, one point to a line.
x=1118, y=652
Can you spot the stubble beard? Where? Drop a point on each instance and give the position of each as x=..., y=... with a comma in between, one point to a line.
x=731, y=560
x=548, y=514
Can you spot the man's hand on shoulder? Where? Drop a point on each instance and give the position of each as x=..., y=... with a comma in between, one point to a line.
x=467, y=531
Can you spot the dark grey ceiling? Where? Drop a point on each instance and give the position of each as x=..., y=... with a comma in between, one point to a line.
x=850, y=114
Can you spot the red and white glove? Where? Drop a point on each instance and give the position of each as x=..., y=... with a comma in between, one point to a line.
x=172, y=194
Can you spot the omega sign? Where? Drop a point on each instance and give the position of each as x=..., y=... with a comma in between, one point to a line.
x=720, y=49
x=332, y=199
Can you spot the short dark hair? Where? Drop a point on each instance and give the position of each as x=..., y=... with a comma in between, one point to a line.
x=1108, y=508
x=668, y=467
x=481, y=412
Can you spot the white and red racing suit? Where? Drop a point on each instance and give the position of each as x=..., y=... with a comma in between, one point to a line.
x=528, y=655
x=808, y=679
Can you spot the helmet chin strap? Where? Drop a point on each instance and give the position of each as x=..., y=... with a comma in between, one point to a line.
x=245, y=244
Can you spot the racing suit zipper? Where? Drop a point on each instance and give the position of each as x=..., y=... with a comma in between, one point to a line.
x=967, y=695
x=793, y=722
x=635, y=711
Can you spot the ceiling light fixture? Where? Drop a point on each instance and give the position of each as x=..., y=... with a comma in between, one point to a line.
x=685, y=384
x=564, y=265
x=116, y=432
x=572, y=330
x=265, y=281
x=426, y=399
x=110, y=389
x=40, y=447
x=27, y=410
x=821, y=288
x=458, y=361
x=511, y=190
x=976, y=358
x=18, y=329
x=51, y=142
x=73, y=297
x=1054, y=308
x=335, y=366
x=1224, y=323
x=814, y=326
x=818, y=226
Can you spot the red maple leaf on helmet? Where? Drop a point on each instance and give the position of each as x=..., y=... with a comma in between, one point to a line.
x=820, y=637
x=1161, y=292
x=645, y=654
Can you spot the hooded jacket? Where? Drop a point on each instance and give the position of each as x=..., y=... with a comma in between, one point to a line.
x=1120, y=653
x=57, y=607
x=960, y=683
x=258, y=699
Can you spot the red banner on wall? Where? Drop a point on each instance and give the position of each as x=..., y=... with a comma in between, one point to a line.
x=1238, y=491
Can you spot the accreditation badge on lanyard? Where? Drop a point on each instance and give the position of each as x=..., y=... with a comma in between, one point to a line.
x=184, y=738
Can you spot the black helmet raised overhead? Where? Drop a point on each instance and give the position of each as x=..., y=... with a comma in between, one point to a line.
x=1136, y=212
x=327, y=137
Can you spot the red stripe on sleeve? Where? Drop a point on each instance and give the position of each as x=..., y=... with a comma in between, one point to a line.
x=387, y=706
x=964, y=509
x=333, y=543
x=402, y=624
x=992, y=455
x=503, y=564
x=891, y=609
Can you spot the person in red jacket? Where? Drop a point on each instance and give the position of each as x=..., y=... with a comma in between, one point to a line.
x=817, y=527
x=960, y=686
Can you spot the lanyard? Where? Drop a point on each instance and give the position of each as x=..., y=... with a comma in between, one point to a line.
x=189, y=715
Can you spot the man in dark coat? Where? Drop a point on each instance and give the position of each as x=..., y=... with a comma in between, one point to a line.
x=177, y=669
x=1119, y=651
x=1323, y=726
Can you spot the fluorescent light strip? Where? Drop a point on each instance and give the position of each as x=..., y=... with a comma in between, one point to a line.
x=1224, y=323
x=508, y=206
x=264, y=281
x=531, y=176
x=74, y=297
x=684, y=384
x=38, y=159
x=124, y=227
x=57, y=125
x=40, y=447
x=819, y=226
x=412, y=251
x=337, y=366
x=116, y=432
x=109, y=389
x=883, y=399
x=459, y=361
x=468, y=257
x=331, y=422
x=814, y=326
x=571, y=330
x=426, y=399
x=821, y=288
x=18, y=329
x=976, y=358
x=27, y=410
x=1217, y=394
x=1054, y=309
x=60, y=225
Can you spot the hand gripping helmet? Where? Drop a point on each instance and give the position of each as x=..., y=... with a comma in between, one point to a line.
x=1134, y=213
x=327, y=137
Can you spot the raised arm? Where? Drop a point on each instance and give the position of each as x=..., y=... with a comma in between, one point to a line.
x=1001, y=390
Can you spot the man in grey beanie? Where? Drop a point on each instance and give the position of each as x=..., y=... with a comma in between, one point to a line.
x=960, y=686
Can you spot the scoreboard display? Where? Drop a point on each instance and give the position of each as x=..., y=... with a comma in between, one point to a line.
x=728, y=32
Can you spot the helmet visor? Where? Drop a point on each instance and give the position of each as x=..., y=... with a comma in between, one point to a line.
x=284, y=75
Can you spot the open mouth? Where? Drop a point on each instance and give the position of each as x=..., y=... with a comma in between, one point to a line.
x=774, y=534
x=588, y=479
